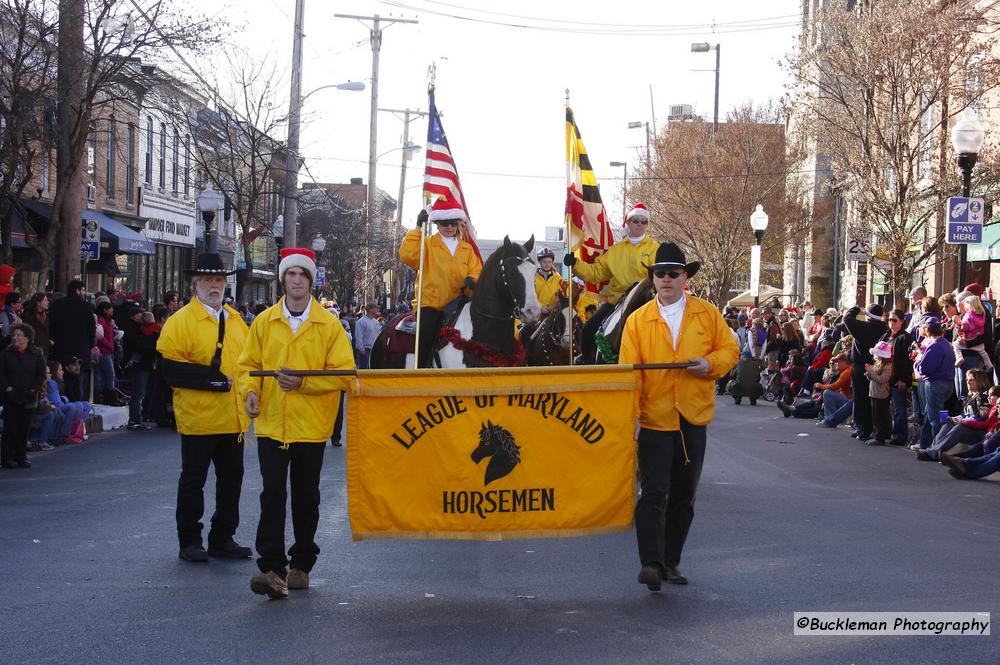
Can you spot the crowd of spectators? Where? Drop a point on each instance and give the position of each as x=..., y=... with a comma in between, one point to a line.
x=921, y=377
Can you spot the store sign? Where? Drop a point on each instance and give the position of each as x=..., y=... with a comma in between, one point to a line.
x=90, y=240
x=168, y=219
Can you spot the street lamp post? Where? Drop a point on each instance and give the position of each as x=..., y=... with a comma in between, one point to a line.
x=758, y=222
x=967, y=139
x=705, y=47
x=209, y=202
x=318, y=245
x=624, y=167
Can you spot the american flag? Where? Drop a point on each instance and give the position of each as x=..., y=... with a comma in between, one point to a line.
x=441, y=174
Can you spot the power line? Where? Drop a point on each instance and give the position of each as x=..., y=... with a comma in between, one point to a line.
x=663, y=31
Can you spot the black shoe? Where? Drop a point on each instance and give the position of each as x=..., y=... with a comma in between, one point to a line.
x=954, y=463
x=229, y=549
x=897, y=442
x=193, y=553
x=138, y=427
x=651, y=577
x=24, y=464
x=672, y=575
x=925, y=456
x=336, y=442
x=785, y=409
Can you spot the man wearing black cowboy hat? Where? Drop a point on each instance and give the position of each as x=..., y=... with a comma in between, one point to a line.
x=201, y=344
x=674, y=407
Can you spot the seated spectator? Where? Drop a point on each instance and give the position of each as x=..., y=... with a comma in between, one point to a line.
x=832, y=399
x=979, y=461
x=792, y=375
x=820, y=363
x=74, y=412
x=978, y=419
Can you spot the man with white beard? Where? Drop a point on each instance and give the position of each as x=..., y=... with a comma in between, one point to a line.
x=201, y=344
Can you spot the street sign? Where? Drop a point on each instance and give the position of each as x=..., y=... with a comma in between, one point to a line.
x=858, y=249
x=320, y=277
x=90, y=240
x=965, y=220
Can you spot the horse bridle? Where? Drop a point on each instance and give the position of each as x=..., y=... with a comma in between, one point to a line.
x=518, y=310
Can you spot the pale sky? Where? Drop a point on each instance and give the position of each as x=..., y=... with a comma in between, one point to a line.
x=501, y=89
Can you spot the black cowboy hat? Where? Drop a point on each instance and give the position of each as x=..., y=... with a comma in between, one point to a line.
x=669, y=255
x=208, y=264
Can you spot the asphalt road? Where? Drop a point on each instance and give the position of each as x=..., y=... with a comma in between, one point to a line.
x=783, y=523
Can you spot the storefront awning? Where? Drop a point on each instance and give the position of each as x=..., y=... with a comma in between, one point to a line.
x=989, y=248
x=119, y=238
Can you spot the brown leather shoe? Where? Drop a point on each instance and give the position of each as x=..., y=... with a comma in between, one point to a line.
x=650, y=576
x=269, y=584
x=298, y=579
x=672, y=575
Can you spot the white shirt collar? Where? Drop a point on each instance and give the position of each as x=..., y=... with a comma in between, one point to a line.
x=295, y=321
x=673, y=315
x=636, y=241
x=213, y=312
x=451, y=244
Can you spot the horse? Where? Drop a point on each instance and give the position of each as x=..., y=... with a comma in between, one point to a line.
x=498, y=444
x=549, y=342
x=614, y=325
x=482, y=334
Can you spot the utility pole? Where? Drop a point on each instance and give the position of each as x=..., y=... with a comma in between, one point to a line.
x=291, y=213
x=376, y=41
x=397, y=226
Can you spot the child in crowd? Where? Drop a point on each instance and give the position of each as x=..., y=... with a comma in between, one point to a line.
x=149, y=327
x=879, y=374
x=972, y=325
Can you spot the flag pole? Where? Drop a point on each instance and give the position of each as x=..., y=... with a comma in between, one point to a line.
x=420, y=295
x=566, y=221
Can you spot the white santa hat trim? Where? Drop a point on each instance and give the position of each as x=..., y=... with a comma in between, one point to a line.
x=638, y=211
x=444, y=209
x=297, y=257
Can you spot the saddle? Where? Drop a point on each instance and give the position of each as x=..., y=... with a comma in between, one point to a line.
x=403, y=331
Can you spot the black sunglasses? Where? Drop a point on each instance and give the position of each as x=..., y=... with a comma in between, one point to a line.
x=672, y=274
x=639, y=221
x=448, y=223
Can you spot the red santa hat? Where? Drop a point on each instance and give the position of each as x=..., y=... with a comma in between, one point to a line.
x=638, y=211
x=6, y=279
x=297, y=257
x=446, y=209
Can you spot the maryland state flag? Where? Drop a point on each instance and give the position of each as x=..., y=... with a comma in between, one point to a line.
x=589, y=230
x=527, y=452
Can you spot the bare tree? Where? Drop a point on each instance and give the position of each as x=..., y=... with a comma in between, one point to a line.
x=235, y=151
x=877, y=94
x=702, y=187
x=98, y=41
x=27, y=103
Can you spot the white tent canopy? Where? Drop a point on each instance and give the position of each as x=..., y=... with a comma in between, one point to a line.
x=745, y=299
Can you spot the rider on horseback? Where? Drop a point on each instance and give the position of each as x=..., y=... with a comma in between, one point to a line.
x=451, y=267
x=548, y=282
x=623, y=265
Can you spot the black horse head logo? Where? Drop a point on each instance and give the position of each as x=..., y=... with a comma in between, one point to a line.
x=498, y=444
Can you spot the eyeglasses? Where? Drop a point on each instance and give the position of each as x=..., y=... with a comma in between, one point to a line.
x=448, y=223
x=672, y=274
x=639, y=221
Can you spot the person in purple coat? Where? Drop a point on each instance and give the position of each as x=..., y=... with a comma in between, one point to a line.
x=934, y=369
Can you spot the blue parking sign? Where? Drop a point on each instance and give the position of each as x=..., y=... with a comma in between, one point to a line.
x=965, y=220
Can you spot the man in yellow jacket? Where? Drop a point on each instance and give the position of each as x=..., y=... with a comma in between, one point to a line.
x=674, y=407
x=548, y=283
x=621, y=266
x=200, y=345
x=451, y=266
x=294, y=418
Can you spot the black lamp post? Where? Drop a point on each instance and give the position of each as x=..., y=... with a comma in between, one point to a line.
x=209, y=202
x=966, y=138
x=758, y=222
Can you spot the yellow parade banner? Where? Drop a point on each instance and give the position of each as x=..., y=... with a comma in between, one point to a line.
x=491, y=454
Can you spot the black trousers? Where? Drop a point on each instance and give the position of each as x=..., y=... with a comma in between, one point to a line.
x=863, y=419
x=881, y=419
x=338, y=424
x=303, y=461
x=591, y=327
x=198, y=452
x=665, y=510
x=430, y=324
x=16, y=423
